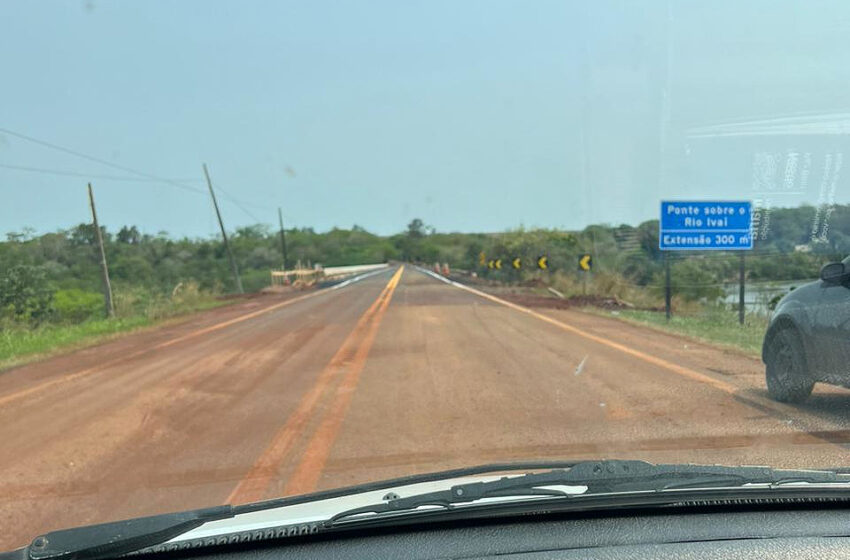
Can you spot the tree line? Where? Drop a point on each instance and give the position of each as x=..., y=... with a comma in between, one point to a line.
x=55, y=276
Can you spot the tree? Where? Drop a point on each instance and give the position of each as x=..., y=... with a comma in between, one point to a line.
x=25, y=293
x=416, y=229
x=129, y=235
x=84, y=234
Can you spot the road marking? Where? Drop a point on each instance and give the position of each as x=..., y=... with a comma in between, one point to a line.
x=352, y=355
x=306, y=475
x=580, y=366
x=357, y=278
x=6, y=399
x=675, y=368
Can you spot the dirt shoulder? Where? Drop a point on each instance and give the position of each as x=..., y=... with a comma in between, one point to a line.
x=710, y=326
x=105, y=346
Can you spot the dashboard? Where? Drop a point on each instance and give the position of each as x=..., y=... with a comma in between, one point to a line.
x=817, y=532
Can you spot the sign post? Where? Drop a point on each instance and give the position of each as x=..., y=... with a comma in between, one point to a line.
x=722, y=225
x=741, y=290
x=668, y=289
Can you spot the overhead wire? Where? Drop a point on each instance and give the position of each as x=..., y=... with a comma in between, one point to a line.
x=61, y=172
x=98, y=160
x=149, y=176
x=236, y=202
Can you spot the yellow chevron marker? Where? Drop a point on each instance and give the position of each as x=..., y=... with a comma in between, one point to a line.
x=585, y=262
x=543, y=262
x=517, y=263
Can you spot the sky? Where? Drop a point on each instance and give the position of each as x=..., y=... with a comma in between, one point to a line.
x=471, y=115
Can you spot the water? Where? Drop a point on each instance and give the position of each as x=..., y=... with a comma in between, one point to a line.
x=758, y=294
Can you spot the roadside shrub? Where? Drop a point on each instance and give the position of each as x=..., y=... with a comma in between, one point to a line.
x=188, y=295
x=605, y=284
x=25, y=294
x=131, y=301
x=255, y=280
x=690, y=280
x=76, y=306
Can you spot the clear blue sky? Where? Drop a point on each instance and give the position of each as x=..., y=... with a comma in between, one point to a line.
x=467, y=114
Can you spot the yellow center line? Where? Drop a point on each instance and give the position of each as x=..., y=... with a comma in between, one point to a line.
x=351, y=355
x=309, y=470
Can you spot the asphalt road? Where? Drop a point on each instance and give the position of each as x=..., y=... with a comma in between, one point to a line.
x=396, y=374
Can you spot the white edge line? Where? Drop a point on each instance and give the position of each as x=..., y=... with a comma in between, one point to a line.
x=358, y=278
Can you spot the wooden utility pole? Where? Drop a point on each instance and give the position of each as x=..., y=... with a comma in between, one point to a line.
x=282, y=236
x=104, y=269
x=233, y=267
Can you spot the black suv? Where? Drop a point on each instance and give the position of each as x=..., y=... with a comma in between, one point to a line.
x=808, y=339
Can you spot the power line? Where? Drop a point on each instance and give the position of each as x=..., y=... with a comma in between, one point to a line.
x=144, y=174
x=77, y=174
x=238, y=204
x=99, y=160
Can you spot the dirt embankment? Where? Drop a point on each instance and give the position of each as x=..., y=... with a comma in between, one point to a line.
x=536, y=293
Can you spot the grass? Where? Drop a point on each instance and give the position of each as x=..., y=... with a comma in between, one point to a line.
x=19, y=344
x=714, y=325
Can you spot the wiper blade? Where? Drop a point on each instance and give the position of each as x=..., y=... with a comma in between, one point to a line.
x=118, y=537
x=599, y=477
x=122, y=537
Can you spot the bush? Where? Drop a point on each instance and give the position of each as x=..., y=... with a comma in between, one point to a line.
x=134, y=301
x=255, y=280
x=25, y=294
x=691, y=281
x=188, y=295
x=76, y=306
x=604, y=284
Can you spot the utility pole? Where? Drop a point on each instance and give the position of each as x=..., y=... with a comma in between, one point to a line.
x=282, y=236
x=741, y=290
x=224, y=235
x=104, y=269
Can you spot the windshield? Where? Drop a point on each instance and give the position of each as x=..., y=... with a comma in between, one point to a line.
x=260, y=249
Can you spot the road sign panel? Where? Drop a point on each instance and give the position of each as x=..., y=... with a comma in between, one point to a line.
x=585, y=262
x=516, y=263
x=543, y=262
x=498, y=264
x=705, y=226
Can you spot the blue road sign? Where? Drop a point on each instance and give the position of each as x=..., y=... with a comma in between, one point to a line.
x=706, y=226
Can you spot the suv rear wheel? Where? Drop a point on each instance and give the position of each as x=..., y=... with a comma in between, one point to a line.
x=786, y=375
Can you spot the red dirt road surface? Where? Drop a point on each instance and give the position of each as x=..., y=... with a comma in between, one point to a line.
x=396, y=374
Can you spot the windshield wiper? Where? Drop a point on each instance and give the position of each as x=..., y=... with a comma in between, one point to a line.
x=115, y=538
x=599, y=477
x=110, y=540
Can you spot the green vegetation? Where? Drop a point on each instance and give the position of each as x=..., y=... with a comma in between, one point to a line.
x=50, y=284
x=711, y=324
x=75, y=319
x=18, y=343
